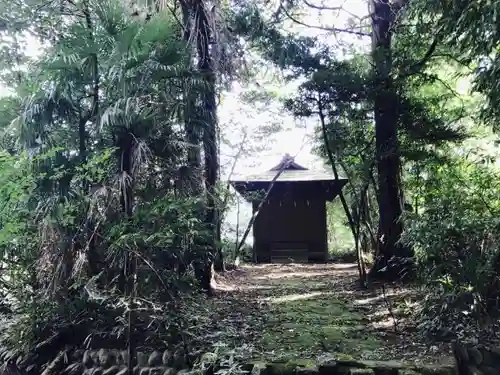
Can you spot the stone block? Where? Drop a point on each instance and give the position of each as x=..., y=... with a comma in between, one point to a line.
x=155, y=359
x=385, y=371
x=94, y=354
x=75, y=369
x=104, y=358
x=169, y=371
x=489, y=370
x=328, y=368
x=343, y=370
x=178, y=359
x=473, y=370
x=495, y=353
x=157, y=370
x=487, y=358
x=433, y=370
x=167, y=358
x=142, y=359
x=258, y=368
x=306, y=371
x=123, y=357
x=77, y=355
x=88, y=362
x=113, y=370
x=114, y=357
x=475, y=355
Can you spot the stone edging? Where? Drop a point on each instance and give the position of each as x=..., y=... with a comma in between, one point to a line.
x=114, y=362
x=345, y=367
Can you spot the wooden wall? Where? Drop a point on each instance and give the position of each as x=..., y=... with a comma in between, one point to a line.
x=291, y=224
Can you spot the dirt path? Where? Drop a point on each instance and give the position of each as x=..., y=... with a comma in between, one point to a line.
x=297, y=312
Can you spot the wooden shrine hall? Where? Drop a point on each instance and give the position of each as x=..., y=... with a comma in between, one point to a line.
x=291, y=224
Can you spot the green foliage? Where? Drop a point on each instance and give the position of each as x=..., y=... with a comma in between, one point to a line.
x=456, y=236
x=97, y=131
x=440, y=51
x=340, y=241
x=229, y=250
x=455, y=25
x=89, y=165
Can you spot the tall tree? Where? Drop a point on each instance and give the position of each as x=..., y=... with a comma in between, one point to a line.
x=385, y=107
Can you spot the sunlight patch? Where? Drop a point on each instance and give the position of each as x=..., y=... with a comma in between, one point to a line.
x=367, y=301
x=283, y=275
x=371, y=300
x=294, y=297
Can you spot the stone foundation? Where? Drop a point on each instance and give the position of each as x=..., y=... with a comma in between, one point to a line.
x=113, y=362
x=470, y=360
x=477, y=359
x=353, y=367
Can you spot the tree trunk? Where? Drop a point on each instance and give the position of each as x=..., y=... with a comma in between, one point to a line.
x=126, y=144
x=387, y=147
x=201, y=127
x=93, y=257
x=194, y=177
x=219, y=262
x=352, y=225
x=210, y=148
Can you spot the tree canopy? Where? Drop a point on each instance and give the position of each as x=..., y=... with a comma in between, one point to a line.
x=114, y=191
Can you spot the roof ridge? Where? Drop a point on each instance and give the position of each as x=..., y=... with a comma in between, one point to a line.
x=288, y=163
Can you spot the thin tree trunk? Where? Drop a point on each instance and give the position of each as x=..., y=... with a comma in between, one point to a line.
x=236, y=250
x=352, y=225
x=219, y=265
x=219, y=261
x=92, y=112
x=93, y=257
x=130, y=262
x=363, y=199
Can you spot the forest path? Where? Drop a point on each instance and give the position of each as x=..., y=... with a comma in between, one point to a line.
x=300, y=311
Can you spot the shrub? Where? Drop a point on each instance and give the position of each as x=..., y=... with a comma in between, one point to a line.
x=456, y=237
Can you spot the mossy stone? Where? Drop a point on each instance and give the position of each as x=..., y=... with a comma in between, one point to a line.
x=114, y=370
x=155, y=359
x=88, y=362
x=280, y=368
x=104, y=357
x=166, y=358
x=475, y=355
x=142, y=359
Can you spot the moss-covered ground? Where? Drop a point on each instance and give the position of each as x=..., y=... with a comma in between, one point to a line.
x=296, y=313
x=306, y=317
